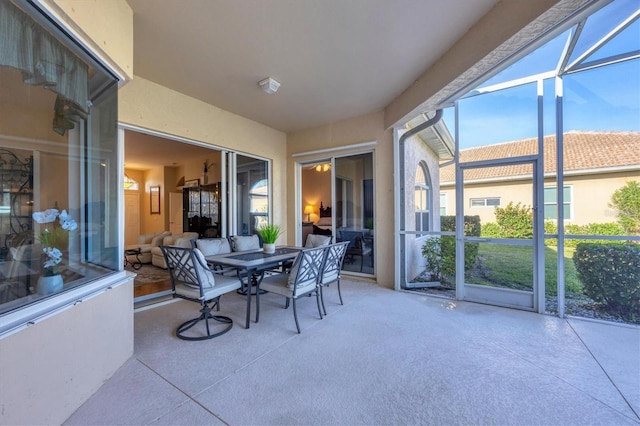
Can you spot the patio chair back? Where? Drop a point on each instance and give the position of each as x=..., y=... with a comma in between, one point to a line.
x=334, y=258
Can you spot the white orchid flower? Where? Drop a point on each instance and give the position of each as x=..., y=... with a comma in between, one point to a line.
x=67, y=222
x=54, y=255
x=46, y=216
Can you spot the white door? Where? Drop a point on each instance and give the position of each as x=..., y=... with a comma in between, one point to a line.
x=131, y=217
x=175, y=212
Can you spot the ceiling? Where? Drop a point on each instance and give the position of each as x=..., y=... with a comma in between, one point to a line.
x=335, y=59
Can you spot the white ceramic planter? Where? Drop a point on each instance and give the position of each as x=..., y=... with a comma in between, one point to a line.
x=269, y=248
x=50, y=285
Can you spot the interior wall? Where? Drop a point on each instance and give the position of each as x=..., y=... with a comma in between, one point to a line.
x=317, y=188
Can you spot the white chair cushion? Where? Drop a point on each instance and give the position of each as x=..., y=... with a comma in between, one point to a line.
x=245, y=242
x=208, y=281
x=213, y=246
x=315, y=240
x=291, y=282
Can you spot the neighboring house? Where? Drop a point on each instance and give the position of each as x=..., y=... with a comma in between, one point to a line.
x=595, y=164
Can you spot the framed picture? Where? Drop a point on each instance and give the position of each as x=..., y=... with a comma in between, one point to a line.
x=155, y=199
x=194, y=183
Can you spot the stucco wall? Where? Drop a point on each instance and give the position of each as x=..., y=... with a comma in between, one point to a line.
x=417, y=152
x=51, y=367
x=591, y=195
x=148, y=105
x=363, y=129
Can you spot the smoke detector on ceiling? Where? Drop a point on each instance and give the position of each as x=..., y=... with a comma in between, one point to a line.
x=269, y=85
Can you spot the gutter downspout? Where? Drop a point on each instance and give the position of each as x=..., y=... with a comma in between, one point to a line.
x=401, y=172
x=422, y=126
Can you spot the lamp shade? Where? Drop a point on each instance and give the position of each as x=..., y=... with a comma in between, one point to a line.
x=308, y=210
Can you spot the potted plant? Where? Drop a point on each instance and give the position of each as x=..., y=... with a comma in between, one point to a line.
x=269, y=234
x=54, y=239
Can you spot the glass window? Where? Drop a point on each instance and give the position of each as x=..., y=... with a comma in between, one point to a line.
x=485, y=202
x=551, y=203
x=259, y=202
x=58, y=163
x=252, y=194
x=443, y=204
x=422, y=199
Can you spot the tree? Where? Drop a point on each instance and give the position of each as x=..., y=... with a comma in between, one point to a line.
x=627, y=201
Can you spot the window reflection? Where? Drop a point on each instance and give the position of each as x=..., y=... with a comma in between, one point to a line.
x=57, y=164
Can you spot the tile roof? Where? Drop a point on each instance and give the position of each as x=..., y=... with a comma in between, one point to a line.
x=583, y=151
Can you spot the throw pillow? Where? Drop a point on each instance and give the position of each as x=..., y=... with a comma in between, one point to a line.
x=245, y=242
x=213, y=246
x=314, y=240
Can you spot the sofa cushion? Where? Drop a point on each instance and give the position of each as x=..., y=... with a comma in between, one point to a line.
x=157, y=240
x=213, y=246
x=146, y=238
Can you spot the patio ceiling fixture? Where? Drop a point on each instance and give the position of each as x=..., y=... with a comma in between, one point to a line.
x=269, y=85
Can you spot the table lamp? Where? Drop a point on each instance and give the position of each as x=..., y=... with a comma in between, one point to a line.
x=308, y=210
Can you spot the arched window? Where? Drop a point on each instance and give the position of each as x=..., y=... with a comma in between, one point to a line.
x=422, y=198
x=259, y=202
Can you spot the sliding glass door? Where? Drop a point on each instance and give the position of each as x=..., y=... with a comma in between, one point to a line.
x=337, y=199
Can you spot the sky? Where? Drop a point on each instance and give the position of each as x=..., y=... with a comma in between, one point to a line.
x=604, y=98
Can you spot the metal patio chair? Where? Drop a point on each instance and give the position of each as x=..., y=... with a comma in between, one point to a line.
x=193, y=280
x=301, y=280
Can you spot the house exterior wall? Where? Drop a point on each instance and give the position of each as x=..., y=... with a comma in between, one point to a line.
x=417, y=152
x=591, y=195
x=51, y=367
x=363, y=129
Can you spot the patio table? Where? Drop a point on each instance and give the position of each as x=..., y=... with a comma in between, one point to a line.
x=252, y=263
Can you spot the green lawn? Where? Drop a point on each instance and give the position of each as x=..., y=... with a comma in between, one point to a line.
x=512, y=267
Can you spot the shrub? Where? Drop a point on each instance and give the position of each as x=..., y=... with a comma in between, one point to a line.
x=610, y=228
x=627, y=201
x=515, y=221
x=550, y=228
x=440, y=252
x=491, y=230
x=610, y=274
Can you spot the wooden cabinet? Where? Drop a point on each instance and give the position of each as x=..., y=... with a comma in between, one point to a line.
x=201, y=210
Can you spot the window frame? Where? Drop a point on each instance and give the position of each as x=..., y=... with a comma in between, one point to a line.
x=553, y=189
x=485, y=202
x=109, y=272
x=423, y=191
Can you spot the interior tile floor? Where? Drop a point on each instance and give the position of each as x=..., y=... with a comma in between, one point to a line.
x=384, y=357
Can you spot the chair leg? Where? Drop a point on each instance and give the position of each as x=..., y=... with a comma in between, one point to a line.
x=295, y=314
x=339, y=292
x=322, y=299
x=361, y=262
x=318, y=301
x=205, y=316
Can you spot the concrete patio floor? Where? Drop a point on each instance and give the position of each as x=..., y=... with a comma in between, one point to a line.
x=384, y=357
